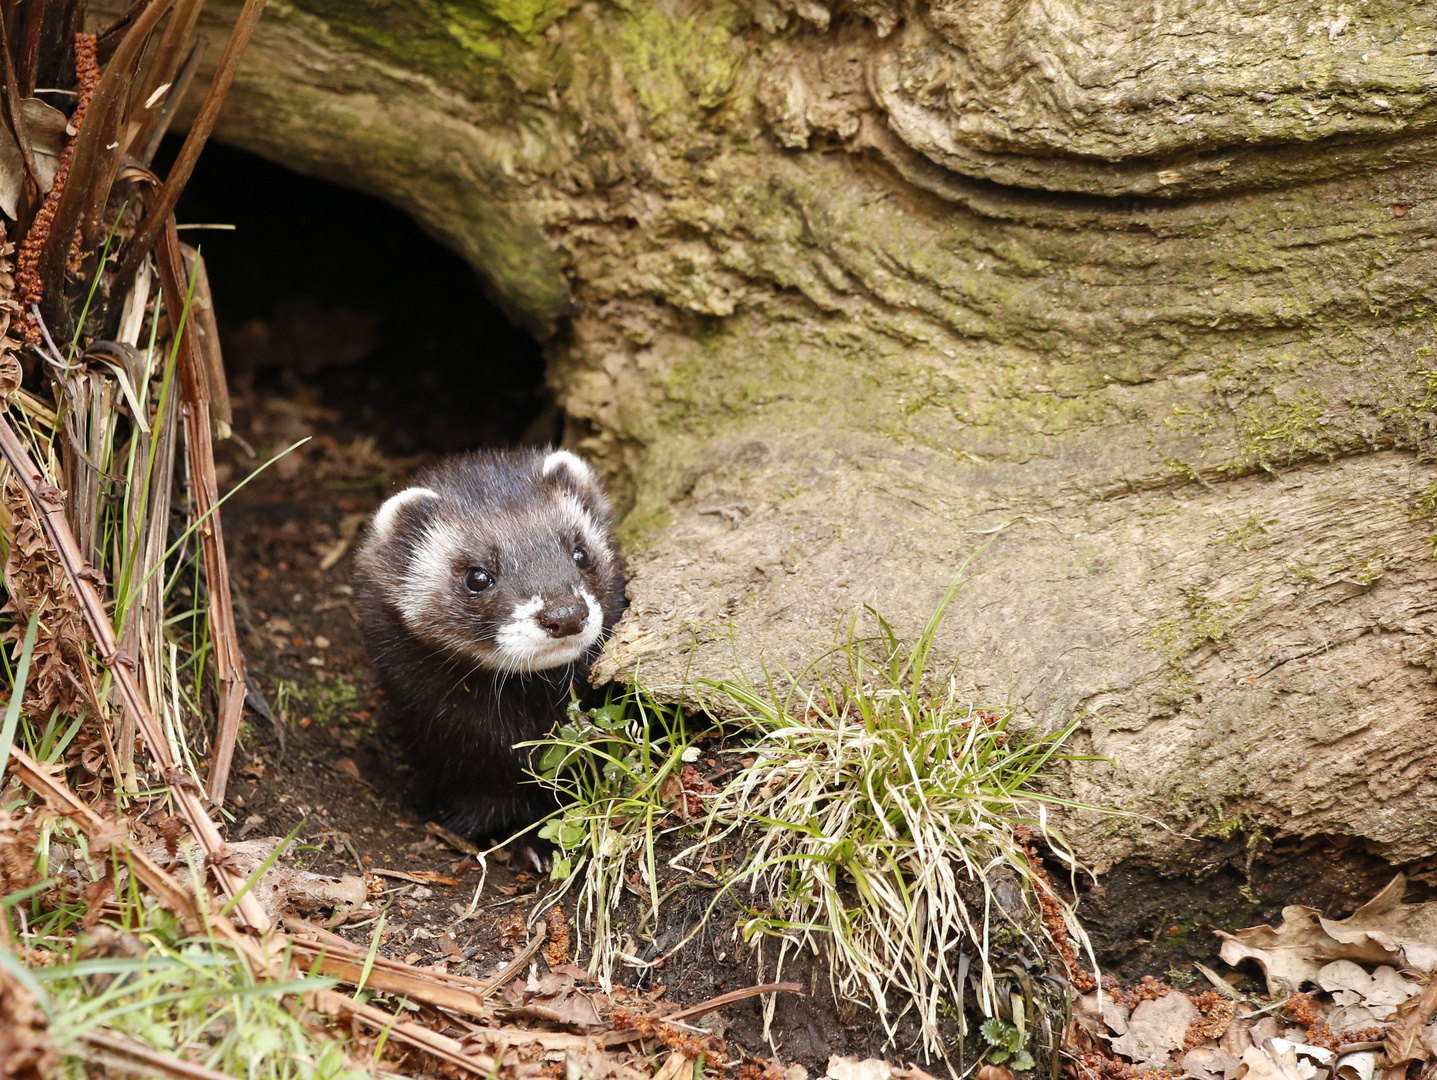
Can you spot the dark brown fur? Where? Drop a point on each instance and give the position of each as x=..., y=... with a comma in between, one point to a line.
x=453, y=661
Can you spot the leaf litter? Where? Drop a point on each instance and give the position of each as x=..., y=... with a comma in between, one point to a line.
x=1348, y=999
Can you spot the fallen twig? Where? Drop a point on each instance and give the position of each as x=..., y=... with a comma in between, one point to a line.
x=516, y=965
x=402, y=983
x=146, y=1061
x=614, y=1038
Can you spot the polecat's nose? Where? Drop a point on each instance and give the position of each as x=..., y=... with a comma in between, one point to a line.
x=562, y=621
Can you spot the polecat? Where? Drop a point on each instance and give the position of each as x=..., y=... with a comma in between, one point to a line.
x=485, y=591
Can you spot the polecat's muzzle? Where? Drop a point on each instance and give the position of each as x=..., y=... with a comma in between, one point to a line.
x=561, y=621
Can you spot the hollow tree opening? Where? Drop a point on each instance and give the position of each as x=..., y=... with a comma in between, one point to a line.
x=342, y=300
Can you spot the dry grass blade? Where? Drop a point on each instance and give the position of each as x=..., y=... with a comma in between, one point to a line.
x=145, y=1061
x=202, y=312
x=94, y=160
x=204, y=123
x=47, y=502
x=205, y=495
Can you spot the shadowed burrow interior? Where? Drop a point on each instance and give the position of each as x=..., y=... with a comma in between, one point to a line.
x=342, y=301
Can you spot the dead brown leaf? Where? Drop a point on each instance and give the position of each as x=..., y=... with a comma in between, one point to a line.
x=348, y=767
x=1156, y=1028
x=1210, y=1063
x=994, y=1072
x=1382, y=931
x=25, y=1050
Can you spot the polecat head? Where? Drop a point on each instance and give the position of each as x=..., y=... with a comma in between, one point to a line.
x=500, y=558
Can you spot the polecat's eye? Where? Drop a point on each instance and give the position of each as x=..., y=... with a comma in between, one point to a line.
x=477, y=580
x=581, y=558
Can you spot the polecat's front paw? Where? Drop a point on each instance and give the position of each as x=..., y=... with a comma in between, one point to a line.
x=532, y=853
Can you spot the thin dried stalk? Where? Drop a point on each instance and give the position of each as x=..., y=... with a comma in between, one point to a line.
x=204, y=492
x=145, y=1061
x=158, y=217
x=202, y=313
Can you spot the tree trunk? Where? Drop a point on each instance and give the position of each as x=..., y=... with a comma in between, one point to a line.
x=839, y=294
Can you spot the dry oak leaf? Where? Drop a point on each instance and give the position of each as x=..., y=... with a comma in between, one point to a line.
x=1156, y=1028
x=1210, y=1063
x=1380, y=992
x=1356, y=1066
x=1270, y=1063
x=1383, y=931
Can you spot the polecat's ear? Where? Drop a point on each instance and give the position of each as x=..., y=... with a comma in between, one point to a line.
x=575, y=470
x=410, y=505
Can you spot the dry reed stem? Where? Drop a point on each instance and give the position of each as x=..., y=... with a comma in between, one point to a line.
x=204, y=496
x=338, y=946
x=48, y=502
x=170, y=55
x=156, y=221
x=202, y=313
x=146, y=1061
x=351, y=970
x=171, y=104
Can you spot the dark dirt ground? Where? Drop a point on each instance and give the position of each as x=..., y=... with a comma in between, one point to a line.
x=321, y=344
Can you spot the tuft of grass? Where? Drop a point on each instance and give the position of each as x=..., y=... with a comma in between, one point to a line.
x=877, y=818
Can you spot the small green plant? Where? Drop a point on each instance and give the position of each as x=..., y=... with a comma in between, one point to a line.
x=1007, y=1042
x=614, y=767
x=874, y=817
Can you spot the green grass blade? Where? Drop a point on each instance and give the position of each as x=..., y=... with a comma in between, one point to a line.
x=17, y=692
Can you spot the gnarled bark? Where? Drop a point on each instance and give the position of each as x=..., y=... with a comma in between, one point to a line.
x=838, y=293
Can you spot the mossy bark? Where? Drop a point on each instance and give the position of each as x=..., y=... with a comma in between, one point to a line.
x=837, y=294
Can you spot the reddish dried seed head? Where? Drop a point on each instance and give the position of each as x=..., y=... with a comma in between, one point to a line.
x=29, y=286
